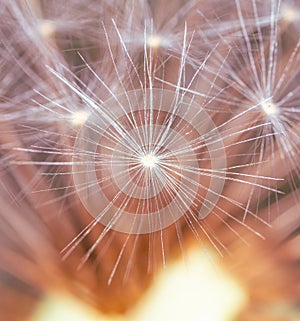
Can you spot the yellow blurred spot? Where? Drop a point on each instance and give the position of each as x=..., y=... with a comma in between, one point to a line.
x=59, y=307
x=290, y=14
x=154, y=41
x=47, y=28
x=79, y=117
x=200, y=291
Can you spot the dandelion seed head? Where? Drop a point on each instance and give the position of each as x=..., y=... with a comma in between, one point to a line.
x=142, y=131
x=138, y=168
x=154, y=41
x=79, y=117
x=289, y=14
x=46, y=28
x=149, y=160
x=269, y=109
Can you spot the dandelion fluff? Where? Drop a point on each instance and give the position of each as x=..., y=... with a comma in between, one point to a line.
x=139, y=160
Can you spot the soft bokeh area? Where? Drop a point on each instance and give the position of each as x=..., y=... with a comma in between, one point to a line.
x=196, y=290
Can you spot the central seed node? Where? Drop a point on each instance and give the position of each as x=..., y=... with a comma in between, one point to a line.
x=149, y=160
x=269, y=109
